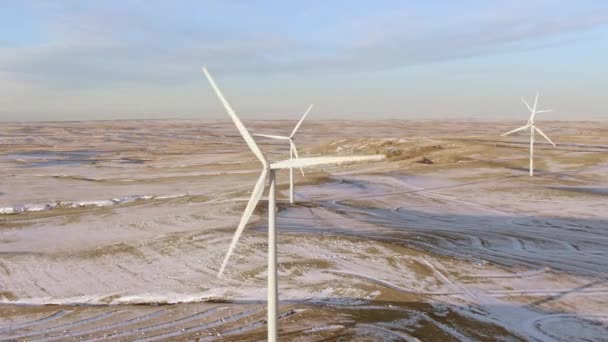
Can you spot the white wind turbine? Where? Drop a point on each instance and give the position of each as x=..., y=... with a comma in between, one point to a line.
x=531, y=125
x=293, y=151
x=268, y=172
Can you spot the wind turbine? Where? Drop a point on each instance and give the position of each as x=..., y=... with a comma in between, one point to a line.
x=293, y=151
x=268, y=173
x=531, y=125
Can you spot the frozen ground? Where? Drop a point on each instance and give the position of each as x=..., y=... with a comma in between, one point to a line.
x=101, y=222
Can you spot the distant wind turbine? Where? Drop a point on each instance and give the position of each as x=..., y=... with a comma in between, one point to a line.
x=293, y=151
x=532, y=128
x=268, y=173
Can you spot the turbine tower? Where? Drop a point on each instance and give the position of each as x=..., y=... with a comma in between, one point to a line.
x=268, y=173
x=293, y=151
x=532, y=126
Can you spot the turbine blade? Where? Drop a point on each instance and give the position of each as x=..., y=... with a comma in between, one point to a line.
x=544, y=111
x=526, y=103
x=237, y=121
x=534, y=108
x=544, y=136
x=300, y=122
x=272, y=136
x=258, y=190
x=295, y=152
x=515, y=130
x=317, y=161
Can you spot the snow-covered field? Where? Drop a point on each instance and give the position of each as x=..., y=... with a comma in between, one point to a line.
x=102, y=222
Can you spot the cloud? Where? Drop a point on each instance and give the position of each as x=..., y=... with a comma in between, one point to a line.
x=95, y=47
x=403, y=38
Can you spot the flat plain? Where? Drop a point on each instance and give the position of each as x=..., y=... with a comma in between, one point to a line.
x=115, y=230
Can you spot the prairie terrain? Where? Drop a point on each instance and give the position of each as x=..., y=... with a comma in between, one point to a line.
x=116, y=230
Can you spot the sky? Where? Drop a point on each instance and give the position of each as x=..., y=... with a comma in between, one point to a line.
x=130, y=59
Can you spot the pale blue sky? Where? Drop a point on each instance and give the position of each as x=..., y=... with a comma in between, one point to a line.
x=80, y=60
